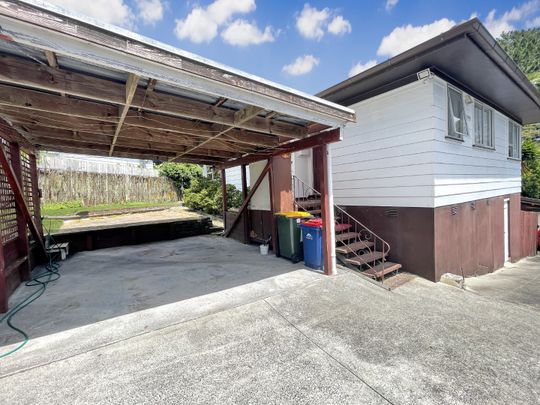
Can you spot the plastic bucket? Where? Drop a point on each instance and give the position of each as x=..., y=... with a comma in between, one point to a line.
x=264, y=249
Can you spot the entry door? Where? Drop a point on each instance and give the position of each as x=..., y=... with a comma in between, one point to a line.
x=506, y=233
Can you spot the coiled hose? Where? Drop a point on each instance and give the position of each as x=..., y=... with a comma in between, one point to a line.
x=42, y=279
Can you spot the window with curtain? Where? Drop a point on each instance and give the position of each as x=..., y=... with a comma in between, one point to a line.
x=457, y=126
x=483, y=126
x=514, y=140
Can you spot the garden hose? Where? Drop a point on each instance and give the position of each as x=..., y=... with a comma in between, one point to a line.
x=41, y=280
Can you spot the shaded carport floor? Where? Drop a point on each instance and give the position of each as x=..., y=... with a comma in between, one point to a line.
x=293, y=337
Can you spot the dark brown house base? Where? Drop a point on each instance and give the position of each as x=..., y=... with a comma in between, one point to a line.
x=466, y=238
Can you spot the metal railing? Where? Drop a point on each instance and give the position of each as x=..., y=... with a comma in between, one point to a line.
x=368, y=249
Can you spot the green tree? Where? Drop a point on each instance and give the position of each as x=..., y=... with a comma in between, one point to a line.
x=205, y=195
x=180, y=173
x=530, y=168
x=524, y=48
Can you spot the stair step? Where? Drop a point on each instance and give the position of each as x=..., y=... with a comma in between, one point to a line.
x=342, y=227
x=354, y=247
x=382, y=269
x=309, y=203
x=341, y=237
x=366, y=258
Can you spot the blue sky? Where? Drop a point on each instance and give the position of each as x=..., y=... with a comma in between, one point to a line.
x=328, y=40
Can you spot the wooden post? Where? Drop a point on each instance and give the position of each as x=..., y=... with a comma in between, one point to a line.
x=247, y=227
x=3, y=281
x=248, y=198
x=22, y=239
x=325, y=210
x=224, y=194
x=36, y=193
x=275, y=244
x=19, y=200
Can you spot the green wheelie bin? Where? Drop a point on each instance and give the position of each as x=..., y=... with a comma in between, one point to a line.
x=289, y=234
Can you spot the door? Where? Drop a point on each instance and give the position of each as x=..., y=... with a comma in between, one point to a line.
x=506, y=232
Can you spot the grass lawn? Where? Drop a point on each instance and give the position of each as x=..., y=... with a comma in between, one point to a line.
x=72, y=208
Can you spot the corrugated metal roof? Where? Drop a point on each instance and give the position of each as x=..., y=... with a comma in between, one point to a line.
x=107, y=28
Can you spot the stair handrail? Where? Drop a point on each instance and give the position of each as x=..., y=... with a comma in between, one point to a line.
x=341, y=212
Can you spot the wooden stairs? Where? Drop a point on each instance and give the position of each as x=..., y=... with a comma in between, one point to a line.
x=357, y=247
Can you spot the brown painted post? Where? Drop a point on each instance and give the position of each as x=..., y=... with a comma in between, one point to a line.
x=246, y=212
x=323, y=179
x=244, y=205
x=224, y=194
x=275, y=244
x=3, y=281
x=36, y=193
x=20, y=201
x=22, y=239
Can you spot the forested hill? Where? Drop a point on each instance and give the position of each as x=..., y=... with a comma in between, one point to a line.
x=524, y=48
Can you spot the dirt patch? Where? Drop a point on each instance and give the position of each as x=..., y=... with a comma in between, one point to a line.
x=173, y=213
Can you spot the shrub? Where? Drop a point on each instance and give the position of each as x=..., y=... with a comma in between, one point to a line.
x=205, y=195
x=180, y=173
x=530, y=168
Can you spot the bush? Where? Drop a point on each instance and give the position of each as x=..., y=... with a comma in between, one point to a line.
x=205, y=195
x=180, y=173
x=530, y=168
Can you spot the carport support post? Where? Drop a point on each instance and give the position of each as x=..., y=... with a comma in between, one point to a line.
x=224, y=193
x=327, y=211
x=243, y=171
x=275, y=244
x=3, y=282
x=36, y=193
x=22, y=239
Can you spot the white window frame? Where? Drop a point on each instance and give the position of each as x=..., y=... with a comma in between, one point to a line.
x=514, y=140
x=483, y=134
x=452, y=133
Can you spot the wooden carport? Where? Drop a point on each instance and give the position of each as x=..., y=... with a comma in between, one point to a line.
x=71, y=84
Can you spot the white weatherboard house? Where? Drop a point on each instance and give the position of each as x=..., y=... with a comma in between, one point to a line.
x=432, y=164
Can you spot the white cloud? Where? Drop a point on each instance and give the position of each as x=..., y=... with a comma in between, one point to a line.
x=311, y=21
x=360, y=67
x=115, y=12
x=408, y=36
x=535, y=22
x=201, y=24
x=505, y=22
x=339, y=26
x=244, y=33
x=150, y=11
x=301, y=65
x=390, y=4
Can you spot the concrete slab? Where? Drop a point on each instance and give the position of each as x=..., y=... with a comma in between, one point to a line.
x=291, y=337
x=244, y=355
x=517, y=282
x=110, y=295
x=423, y=343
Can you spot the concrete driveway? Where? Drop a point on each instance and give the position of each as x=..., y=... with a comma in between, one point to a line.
x=516, y=282
x=286, y=335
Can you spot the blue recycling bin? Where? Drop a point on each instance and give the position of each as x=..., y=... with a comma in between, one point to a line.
x=313, y=254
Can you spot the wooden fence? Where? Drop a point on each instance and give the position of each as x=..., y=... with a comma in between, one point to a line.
x=58, y=186
x=529, y=221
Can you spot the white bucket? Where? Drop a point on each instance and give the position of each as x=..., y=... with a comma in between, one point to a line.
x=264, y=249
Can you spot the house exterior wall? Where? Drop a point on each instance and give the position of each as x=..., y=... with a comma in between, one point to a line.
x=464, y=172
x=439, y=202
x=386, y=157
